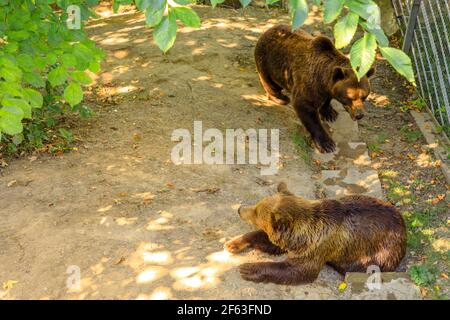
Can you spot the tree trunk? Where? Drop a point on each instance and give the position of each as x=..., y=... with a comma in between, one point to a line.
x=388, y=21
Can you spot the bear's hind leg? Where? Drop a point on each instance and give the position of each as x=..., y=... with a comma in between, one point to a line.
x=273, y=90
x=327, y=112
x=287, y=272
x=256, y=240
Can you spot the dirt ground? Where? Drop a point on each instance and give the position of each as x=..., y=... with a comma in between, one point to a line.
x=135, y=224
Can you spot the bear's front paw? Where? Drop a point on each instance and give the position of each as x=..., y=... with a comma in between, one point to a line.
x=325, y=145
x=235, y=245
x=330, y=115
x=252, y=272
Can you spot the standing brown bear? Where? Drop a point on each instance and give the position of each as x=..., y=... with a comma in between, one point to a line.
x=314, y=72
x=350, y=234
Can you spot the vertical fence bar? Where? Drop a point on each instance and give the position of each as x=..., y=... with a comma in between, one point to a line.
x=411, y=25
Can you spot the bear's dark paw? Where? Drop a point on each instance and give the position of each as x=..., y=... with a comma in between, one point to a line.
x=280, y=99
x=330, y=115
x=325, y=145
x=252, y=272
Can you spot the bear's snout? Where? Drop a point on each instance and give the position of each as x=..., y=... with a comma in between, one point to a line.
x=239, y=210
x=359, y=115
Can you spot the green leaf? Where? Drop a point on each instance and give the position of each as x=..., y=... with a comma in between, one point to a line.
x=66, y=134
x=18, y=35
x=81, y=77
x=26, y=62
x=19, y=103
x=382, y=40
x=332, y=9
x=73, y=94
x=11, y=120
x=367, y=9
x=94, y=66
x=299, y=12
x=216, y=2
x=143, y=4
x=68, y=60
x=183, y=2
x=11, y=73
x=345, y=29
x=34, y=79
x=11, y=47
x=83, y=55
x=153, y=17
x=400, y=61
x=422, y=275
x=362, y=54
x=116, y=5
x=33, y=97
x=166, y=32
x=10, y=89
x=155, y=12
x=245, y=3
x=187, y=16
x=51, y=58
x=57, y=76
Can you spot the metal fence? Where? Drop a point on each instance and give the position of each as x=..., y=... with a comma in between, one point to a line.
x=425, y=25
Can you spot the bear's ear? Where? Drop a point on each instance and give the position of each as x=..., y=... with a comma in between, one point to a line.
x=282, y=188
x=322, y=43
x=338, y=73
x=371, y=72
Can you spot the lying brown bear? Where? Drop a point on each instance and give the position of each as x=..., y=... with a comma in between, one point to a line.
x=314, y=72
x=350, y=234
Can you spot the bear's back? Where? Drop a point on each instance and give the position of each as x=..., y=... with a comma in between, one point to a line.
x=374, y=229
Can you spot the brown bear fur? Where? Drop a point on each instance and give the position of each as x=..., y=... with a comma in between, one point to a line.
x=350, y=234
x=314, y=72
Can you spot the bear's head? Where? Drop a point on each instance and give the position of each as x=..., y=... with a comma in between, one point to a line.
x=277, y=215
x=349, y=91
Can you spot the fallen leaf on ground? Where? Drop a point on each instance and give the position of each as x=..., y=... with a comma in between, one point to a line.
x=170, y=185
x=137, y=137
x=424, y=292
x=207, y=190
x=263, y=182
x=342, y=286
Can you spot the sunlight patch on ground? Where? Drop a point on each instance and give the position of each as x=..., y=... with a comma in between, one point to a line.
x=151, y=274
x=442, y=245
x=104, y=209
x=124, y=221
x=184, y=272
x=161, y=258
x=259, y=100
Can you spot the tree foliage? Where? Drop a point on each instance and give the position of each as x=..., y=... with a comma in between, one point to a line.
x=43, y=63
